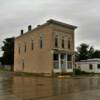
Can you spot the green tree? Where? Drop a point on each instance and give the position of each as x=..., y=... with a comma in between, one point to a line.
x=82, y=51
x=91, y=52
x=96, y=54
x=76, y=56
x=85, y=51
x=8, y=52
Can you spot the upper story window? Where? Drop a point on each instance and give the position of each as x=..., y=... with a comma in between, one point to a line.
x=41, y=40
x=69, y=57
x=32, y=44
x=19, y=50
x=56, y=41
x=25, y=48
x=62, y=43
x=69, y=44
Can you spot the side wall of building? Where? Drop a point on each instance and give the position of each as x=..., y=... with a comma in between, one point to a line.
x=86, y=67
x=38, y=60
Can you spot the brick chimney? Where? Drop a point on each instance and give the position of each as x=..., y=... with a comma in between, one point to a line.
x=22, y=32
x=29, y=28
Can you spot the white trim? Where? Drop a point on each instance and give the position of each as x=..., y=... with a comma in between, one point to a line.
x=59, y=59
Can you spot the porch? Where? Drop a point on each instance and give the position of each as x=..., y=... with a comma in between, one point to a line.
x=62, y=62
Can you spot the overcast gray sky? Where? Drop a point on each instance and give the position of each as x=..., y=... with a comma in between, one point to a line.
x=18, y=14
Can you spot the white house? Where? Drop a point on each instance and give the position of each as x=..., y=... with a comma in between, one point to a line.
x=90, y=65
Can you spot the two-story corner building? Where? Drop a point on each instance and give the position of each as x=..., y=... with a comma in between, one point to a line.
x=48, y=48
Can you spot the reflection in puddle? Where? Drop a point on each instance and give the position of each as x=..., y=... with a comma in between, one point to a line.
x=25, y=88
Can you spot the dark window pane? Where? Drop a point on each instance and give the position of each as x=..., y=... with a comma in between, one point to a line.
x=55, y=57
x=63, y=45
x=32, y=45
x=25, y=48
x=98, y=66
x=19, y=50
x=23, y=64
x=62, y=56
x=90, y=66
x=69, y=44
x=69, y=58
x=56, y=42
x=41, y=43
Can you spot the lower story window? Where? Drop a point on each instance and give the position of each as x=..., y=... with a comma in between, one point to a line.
x=69, y=65
x=23, y=64
x=98, y=66
x=56, y=61
x=69, y=57
x=90, y=66
x=56, y=65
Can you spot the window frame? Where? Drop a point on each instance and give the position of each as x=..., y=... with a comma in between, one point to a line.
x=69, y=44
x=98, y=66
x=25, y=47
x=63, y=42
x=41, y=40
x=56, y=41
x=90, y=67
x=32, y=44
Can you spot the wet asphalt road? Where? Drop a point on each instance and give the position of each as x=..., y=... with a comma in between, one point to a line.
x=40, y=88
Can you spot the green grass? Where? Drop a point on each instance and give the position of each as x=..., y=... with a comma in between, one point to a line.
x=3, y=70
x=23, y=74
x=30, y=74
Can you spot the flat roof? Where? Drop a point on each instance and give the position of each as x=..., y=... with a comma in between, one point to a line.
x=61, y=23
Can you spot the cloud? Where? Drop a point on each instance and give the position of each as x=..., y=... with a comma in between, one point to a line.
x=18, y=14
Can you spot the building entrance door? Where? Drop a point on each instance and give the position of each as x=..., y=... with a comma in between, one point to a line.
x=63, y=62
x=60, y=62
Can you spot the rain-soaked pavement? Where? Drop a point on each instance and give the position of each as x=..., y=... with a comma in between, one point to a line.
x=41, y=88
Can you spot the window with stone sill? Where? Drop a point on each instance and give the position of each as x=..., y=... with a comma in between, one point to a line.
x=41, y=40
x=69, y=44
x=32, y=44
x=63, y=43
x=56, y=41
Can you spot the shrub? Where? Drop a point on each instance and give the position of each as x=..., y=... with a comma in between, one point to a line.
x=77, y=71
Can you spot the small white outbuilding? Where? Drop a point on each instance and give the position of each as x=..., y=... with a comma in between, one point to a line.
x=89, y=65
